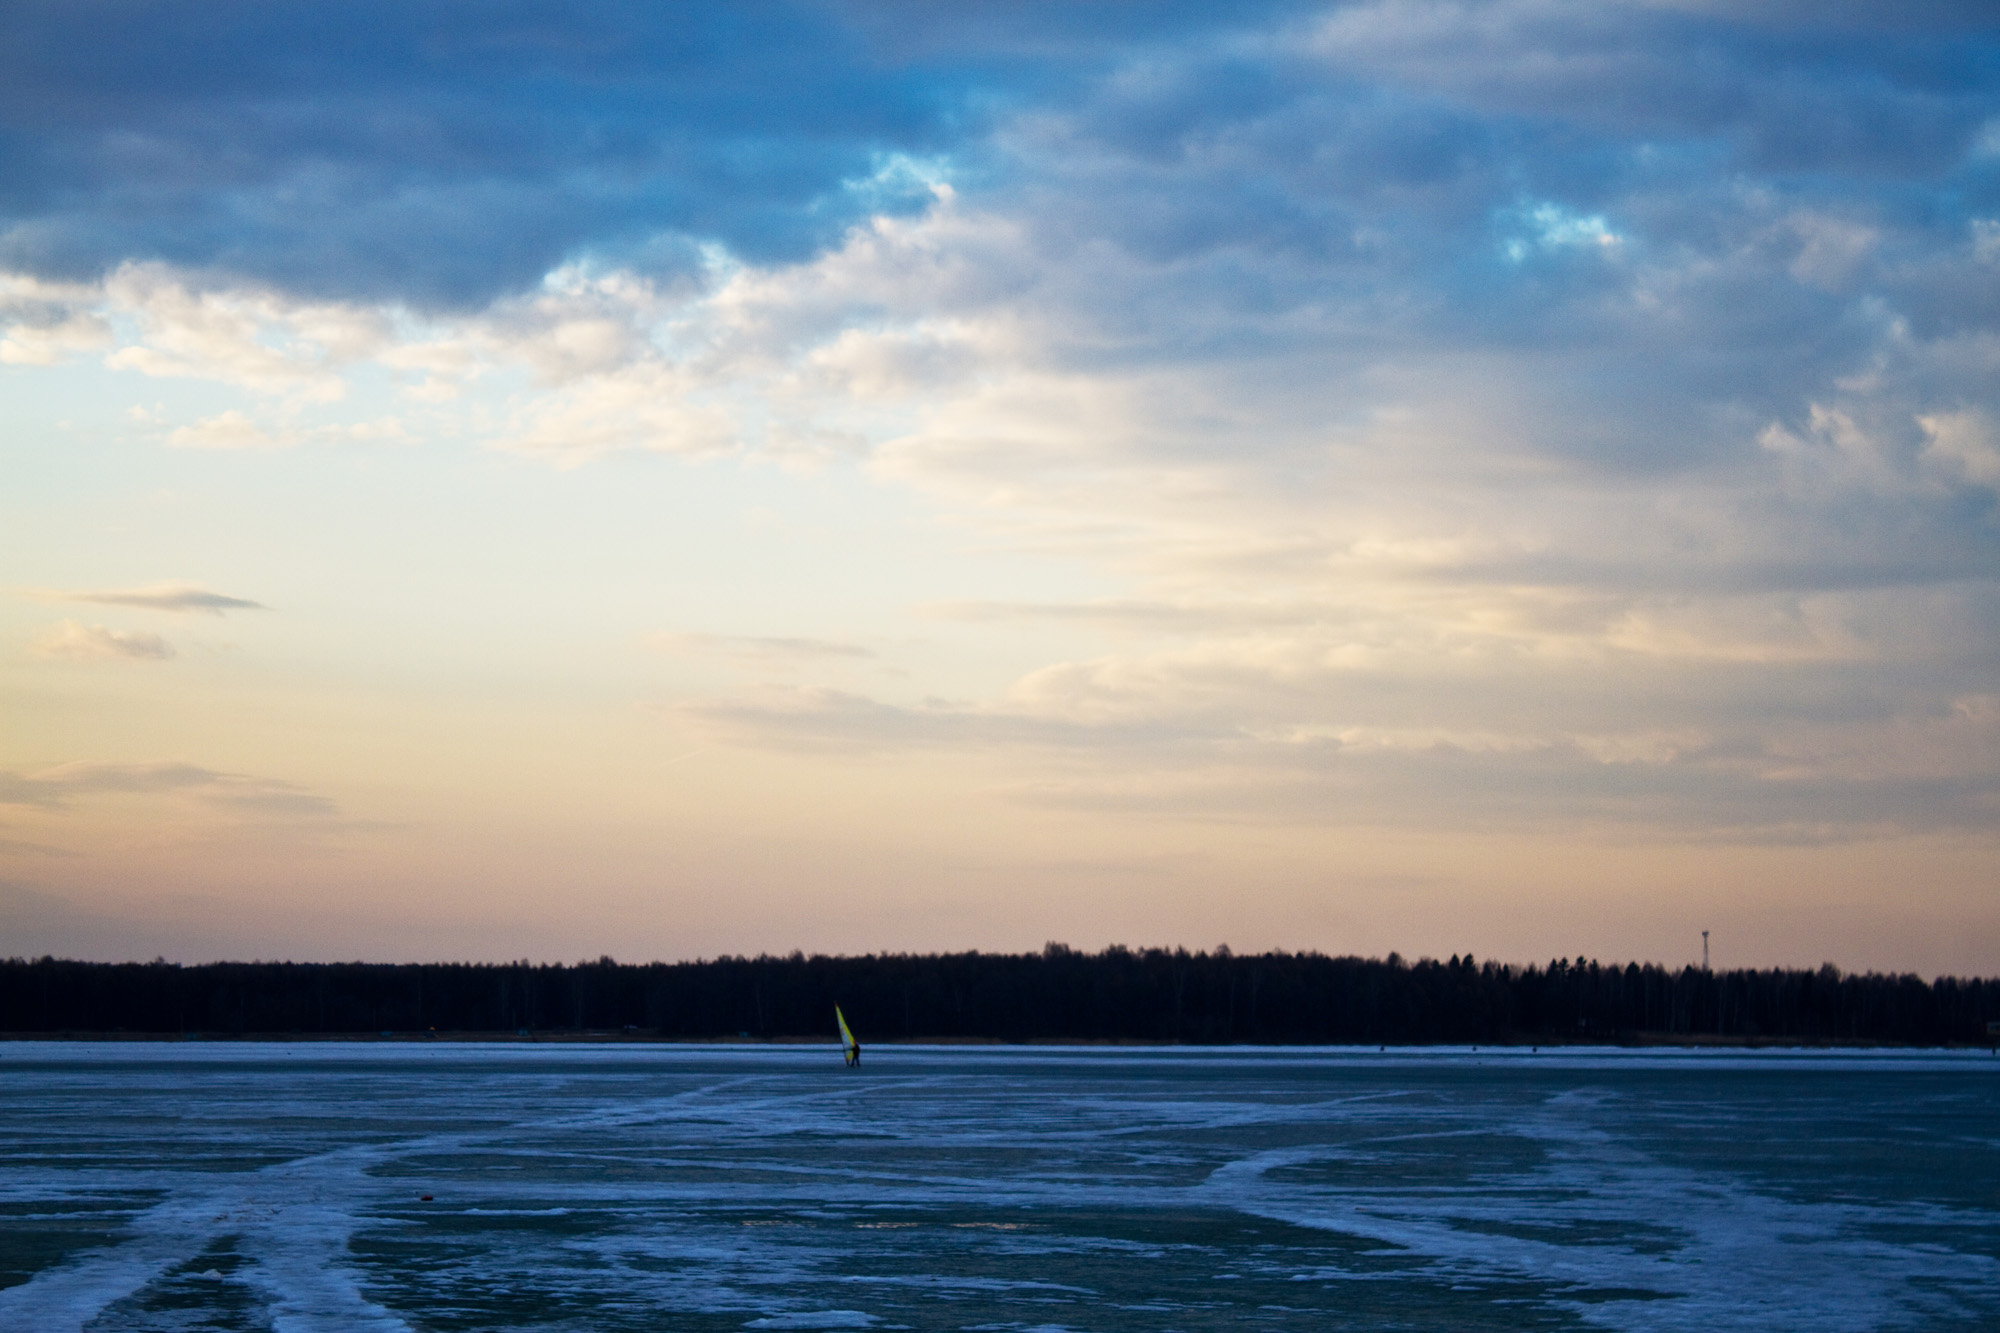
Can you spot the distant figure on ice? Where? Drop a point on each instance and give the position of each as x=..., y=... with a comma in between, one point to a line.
x=849, y=1047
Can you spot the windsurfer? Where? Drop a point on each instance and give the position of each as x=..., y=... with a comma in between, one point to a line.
x=850, y=1049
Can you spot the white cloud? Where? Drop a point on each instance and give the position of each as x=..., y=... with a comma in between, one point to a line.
x=1964, y=445
x=233, y=429
x=650, y=405
x=49, y=344
x=1837, y=451
x=258, y=340
x=227, y=430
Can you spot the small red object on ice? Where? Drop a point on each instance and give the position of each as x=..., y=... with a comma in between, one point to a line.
x=424, y=1197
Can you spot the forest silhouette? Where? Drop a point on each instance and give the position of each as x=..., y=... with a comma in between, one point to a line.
x=1058, y=994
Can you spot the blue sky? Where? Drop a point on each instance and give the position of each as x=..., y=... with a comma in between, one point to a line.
x=1518, y=477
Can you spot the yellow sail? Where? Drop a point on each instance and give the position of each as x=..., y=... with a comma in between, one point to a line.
x=849, y=1047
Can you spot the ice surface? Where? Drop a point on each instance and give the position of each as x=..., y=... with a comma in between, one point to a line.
x=196, y=1186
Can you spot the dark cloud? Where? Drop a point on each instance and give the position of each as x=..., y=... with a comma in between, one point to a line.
x=1399, y=156
x=445, y=152
x=1378, y=164
x=434, y=153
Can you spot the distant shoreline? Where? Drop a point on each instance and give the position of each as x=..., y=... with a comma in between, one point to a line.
x=1631, y=1041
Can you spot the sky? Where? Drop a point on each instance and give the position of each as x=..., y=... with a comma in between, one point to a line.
x=494, y=479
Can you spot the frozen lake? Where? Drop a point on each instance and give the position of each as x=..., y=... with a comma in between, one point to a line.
x=238, y=1186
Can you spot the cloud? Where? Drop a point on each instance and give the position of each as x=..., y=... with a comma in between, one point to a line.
x=836, y=721
x=61, y=786
x=450, y=155
x=1134, y=615
x=254, y=337
x=225, y=430
x=1965, y=444
x=185, y=598
x=75, y=642
x=42, y=323
x=1138, y=750
x=235, y=430
x=275, y=800
x=1551, y=227
x=761, y=648
x=56, y=786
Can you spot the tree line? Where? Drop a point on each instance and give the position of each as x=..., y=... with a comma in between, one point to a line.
x=1121, y=994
